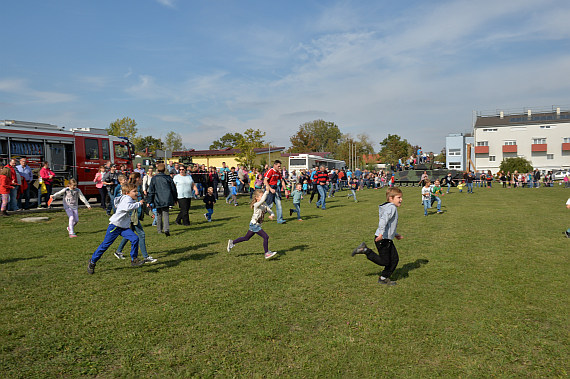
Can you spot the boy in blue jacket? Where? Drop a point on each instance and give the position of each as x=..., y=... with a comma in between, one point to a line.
x=388, y=222
x=119, y=225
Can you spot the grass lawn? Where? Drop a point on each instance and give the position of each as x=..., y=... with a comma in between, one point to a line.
x=482, y=292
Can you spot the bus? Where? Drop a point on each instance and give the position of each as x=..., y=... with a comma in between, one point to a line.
x=308, y=161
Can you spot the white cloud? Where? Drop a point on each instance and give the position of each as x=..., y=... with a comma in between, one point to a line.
x=20, y=89
x=167, y=3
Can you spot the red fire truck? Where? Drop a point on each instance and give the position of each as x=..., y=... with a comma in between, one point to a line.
x=76, y=153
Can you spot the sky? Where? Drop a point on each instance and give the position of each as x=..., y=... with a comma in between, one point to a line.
x=418, y=69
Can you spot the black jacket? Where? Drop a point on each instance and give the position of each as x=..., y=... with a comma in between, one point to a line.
x=162, y=191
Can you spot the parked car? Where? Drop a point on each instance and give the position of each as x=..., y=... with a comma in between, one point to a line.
x=559, y=175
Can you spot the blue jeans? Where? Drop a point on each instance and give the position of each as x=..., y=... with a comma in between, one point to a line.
x=438, y=199
x=353, y=193
x=13, y=204
x=276, y=198
x=322, y=188
x=113, y=232
x=448, y=187
x=209, y=213
x=426, y=206
x=142, y=244
x=298, y=210
x=469, y=187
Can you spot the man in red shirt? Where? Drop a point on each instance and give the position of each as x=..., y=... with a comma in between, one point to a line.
x=271, y=180
x=322, y=180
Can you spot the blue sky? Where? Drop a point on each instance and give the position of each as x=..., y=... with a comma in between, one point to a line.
x=205, y=68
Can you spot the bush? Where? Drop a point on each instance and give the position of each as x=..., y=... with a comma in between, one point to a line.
x=515, y=164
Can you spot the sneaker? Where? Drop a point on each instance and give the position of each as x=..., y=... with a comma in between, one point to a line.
x=149, y=259
x=230, y=245
x=167, y=233
x=567, y=234
x=206, y=216
x=290, y=212
x=270, y=254
x=387, y=282
x=136, y=262
x=119, y=255
x=90, y=267
x=72, y=235
x=361, y=249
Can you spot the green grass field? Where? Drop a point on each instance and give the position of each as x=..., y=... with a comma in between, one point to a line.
x=482, y=292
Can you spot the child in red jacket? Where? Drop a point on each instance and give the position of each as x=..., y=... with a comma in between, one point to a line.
x=5, y=187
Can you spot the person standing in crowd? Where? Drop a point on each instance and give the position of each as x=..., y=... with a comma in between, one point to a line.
x=146, y=180
x=16, y=183
x=224, y=171
x=162, y=195
x=5, y=187
x=213, y=179
x=110, y=180
x=27, y=177
x=469, y=181
x=98, y=180
x=272, y=180
x=140, y=170
x=322, y=180
x=184, y=187
x=47, y=177
x=71, y=195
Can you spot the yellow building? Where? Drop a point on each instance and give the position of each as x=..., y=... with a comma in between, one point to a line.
x=229, y=156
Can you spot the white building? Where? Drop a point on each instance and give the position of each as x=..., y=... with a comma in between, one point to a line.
x=456, y=151
x=541, y=137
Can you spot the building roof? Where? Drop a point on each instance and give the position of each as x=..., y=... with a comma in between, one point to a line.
x=523, y=118
x=226, y=151
x=319, y=154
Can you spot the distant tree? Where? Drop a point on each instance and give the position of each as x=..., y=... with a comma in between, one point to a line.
x=173, y=141
x=318, y=135
x=394, y=148
x=349, y=147
x=515, y=164
x=125, y=127
x=441, y=156
x=148, y=142
x=230, y=140
x=251, y=140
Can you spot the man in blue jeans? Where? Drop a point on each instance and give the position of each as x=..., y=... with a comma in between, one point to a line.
x=272, y=179
x=322, y=179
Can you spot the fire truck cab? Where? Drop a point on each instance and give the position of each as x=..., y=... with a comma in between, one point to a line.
x=76, y=153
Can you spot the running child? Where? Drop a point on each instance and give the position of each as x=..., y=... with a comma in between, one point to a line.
x=136, y=226
x=119, y=225
x=71, y=195
x=297, y=196
x=353, y=182
x=426, y=196
x=209, y=200
x=388, y=222
x=259, y=210
x=233, y=194
x=437, y=193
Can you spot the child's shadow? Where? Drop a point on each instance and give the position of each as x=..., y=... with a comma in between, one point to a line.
x=403, y=272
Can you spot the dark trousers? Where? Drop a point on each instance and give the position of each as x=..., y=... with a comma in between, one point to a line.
x=103, y=195
x=184, y=204
x=387, y=256
x=315, y=191
x=250, y=234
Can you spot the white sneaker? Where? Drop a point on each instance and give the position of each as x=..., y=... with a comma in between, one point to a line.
x=230, y=245
x=149, y=259
x=270, y=254
x=206, y=216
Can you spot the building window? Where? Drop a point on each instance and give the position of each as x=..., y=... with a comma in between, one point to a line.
x=539, y=141
x=454, y=152
x=567, y=140
x=546, y=127
x=455, y=165
x=482, y=143
x=510, y=143
x=549, y=156
x=490, y=130
x=491, y=158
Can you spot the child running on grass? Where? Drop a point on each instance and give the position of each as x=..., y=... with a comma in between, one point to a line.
x=209, y=200
x=259, y=210
x=71, y=196
x=437, y=193
x=297, y=196
x=119, y=225
x=388, y=222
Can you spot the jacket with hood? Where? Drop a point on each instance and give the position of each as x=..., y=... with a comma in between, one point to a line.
x=122, y=216
x=388, y=221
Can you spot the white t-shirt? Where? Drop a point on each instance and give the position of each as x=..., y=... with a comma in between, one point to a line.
x=426, y=193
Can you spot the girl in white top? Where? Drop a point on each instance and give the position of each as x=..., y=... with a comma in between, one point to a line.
x=259, y=210
x=71, y=196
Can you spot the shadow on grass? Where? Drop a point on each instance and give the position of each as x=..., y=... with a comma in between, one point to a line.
x=403, y=272
x=12, y=260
